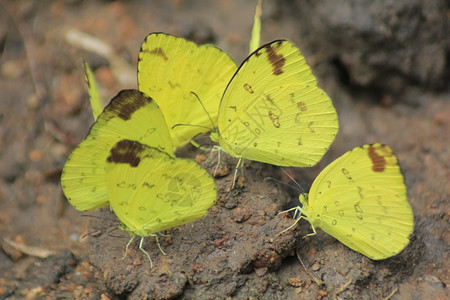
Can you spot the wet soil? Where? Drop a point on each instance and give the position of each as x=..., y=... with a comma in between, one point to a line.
x=236, y=251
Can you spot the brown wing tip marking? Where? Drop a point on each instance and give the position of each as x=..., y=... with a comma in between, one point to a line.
x=127, y=102
x=126, y=152
x=158, y=52
x=276, y=60
x=378, y=161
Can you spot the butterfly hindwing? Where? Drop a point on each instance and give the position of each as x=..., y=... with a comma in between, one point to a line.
x=171, y=70
x=360, y=199
x=131, y=115
x=273, y=111
x=150, y=191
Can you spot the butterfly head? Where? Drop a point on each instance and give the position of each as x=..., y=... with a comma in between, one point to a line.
x=303, y=199
x=215, y=135
x=123, y=227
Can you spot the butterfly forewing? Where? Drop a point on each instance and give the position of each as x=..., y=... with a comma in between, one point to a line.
x=273, y=111
x=131, y=115
x=172, y=69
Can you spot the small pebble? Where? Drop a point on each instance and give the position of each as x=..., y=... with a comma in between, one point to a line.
x=295, y=281
x=261, y=271
x=316, y=267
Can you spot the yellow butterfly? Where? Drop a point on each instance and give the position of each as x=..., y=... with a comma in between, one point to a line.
x=171, y=70
x=151, y=191
x=360, y=199
x=130, y=115
x=272, y=110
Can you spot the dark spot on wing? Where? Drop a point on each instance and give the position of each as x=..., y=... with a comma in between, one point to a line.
x=302, y=106
x=276, y=60
x=125, y=104
x=126, y=152
x=248, y=88
x=158, y=52
x=378, y=161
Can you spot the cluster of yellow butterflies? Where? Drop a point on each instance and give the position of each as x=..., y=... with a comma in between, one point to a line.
x=269, y=109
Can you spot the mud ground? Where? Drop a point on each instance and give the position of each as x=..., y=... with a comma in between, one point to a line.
x=235, y=252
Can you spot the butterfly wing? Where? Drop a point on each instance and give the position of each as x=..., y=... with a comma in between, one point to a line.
x=94, y=97
x=360, y=199
x=273, y=111
x=132, y=115
x=170, y=69
x=150, y=191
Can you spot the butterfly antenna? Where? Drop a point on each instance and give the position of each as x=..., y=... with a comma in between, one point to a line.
x=112, y=230
x=204, y=108
x=295, y=188
x=97, y=232
x=92, y=233
x=300, y=188
x=191, y=125
x=204, y=146
x=101, y=218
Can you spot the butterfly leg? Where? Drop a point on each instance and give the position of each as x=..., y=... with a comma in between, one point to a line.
x=216, y=149
x=239, y=165
x=126, y=247
x=159, y=245
x=290, y=227
x=312, y=233
x=142, y=249
x=298, y=210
